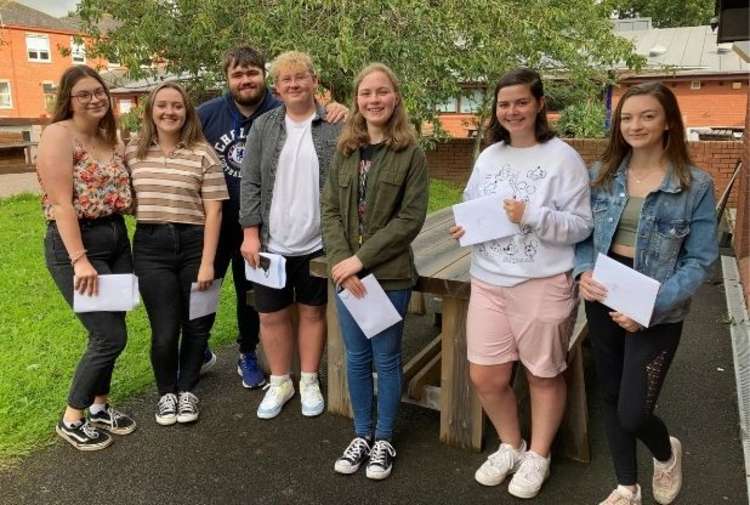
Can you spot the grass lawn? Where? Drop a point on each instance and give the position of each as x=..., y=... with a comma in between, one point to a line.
x=41, y=339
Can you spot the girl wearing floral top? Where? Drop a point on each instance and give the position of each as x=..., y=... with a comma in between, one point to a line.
x=86, y=190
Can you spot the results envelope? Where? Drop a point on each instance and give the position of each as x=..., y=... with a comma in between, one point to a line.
x=374, y=312
x=203, y=303
x=117, y=293
x=628, y=291
x=483, y=219
x=271, y=272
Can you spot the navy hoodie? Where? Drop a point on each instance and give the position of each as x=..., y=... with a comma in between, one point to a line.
x=225, y=129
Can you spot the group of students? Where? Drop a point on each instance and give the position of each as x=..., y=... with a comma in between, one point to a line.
x=297, y=182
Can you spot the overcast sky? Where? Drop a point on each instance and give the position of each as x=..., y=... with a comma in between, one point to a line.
x=57, y=8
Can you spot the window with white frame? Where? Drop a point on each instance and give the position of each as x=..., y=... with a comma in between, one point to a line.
x=471, y=101
x=450, y=105
x=37, y=47
x=49, y=90
x=77, y=51
x=6, y=99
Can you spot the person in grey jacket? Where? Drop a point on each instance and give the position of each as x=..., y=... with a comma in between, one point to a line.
x=280, y=213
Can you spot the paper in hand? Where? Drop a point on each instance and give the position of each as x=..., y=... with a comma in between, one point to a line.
x=271, y=272
x=116, y=293
x=483, y=219
x=374, y=312
x=203, y=303
x=628, y=292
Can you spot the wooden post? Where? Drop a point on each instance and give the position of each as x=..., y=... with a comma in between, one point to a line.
x=338, y=388
x=416, y=303
x=461, y=417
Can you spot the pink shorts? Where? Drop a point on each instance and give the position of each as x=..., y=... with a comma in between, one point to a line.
x=531, y=322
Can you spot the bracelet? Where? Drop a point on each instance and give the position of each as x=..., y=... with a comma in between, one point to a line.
x=75, y=257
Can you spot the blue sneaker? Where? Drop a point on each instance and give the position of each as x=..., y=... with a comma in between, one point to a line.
x=247, y=368
x=209, y=360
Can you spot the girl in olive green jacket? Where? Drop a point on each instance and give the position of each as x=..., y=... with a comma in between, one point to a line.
x=374, y=205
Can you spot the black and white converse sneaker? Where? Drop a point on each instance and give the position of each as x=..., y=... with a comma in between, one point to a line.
x=166, y=410
x=112, y=421
x=381, y=460
x=83, y=437
x=354, y=455
x=187, y=407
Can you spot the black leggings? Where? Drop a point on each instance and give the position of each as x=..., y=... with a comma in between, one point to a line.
x=631, y=368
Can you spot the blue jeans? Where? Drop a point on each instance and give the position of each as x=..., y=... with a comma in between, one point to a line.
x=384, y=351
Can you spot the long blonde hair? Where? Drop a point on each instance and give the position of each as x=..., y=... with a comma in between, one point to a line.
x=399, y=133
x=191, y=133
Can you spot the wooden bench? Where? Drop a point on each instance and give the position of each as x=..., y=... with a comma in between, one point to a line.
x=438, y=376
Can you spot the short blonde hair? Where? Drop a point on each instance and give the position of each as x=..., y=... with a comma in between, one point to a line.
x=292, y=59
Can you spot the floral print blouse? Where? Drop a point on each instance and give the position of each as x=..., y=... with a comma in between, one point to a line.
x=100, y=189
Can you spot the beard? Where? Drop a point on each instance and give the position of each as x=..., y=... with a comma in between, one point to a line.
x=248, y=101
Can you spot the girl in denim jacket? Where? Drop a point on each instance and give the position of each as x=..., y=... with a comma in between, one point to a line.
x=654, y=212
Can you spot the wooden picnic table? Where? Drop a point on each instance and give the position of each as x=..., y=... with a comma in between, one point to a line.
x=438, y=376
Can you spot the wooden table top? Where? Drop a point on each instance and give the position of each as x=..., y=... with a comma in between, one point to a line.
x=443, y=265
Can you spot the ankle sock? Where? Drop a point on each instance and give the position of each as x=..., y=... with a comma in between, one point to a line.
x=625, y=491
x=279, y=379
x=95, y=408
x=72, y=425
x=308, y=377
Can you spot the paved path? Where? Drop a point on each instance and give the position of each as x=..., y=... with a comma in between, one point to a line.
x=231, y=457
x=12, y=184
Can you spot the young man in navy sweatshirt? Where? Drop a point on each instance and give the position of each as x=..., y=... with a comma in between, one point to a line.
x=226, y=122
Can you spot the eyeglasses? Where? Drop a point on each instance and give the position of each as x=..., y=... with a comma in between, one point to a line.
x=86, y=96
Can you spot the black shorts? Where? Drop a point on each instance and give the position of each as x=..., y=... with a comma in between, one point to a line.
x=300, y=287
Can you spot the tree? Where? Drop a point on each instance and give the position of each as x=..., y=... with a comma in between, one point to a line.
x=666, y=13
x=433, y=45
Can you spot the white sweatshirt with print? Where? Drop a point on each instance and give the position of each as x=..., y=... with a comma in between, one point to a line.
x=552, y=180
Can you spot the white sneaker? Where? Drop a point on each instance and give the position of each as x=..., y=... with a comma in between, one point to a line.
x=187, y=407
x=166, y=410
x=668, y=476
x=530, y=476
x=277, y=394
x=311, y=398
x=499, y=464
x=623, y=497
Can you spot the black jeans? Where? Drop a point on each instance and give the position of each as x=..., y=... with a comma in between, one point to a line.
x=167, y=257
x=108, y=250
x=631, y=368
x=228, y=251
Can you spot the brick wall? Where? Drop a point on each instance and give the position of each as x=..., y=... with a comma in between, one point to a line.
x=452, y=160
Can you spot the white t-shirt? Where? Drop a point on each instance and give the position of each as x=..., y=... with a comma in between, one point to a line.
x=294, y=221
x=552, y=179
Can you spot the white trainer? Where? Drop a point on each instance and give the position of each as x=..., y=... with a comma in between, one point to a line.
x=667, y=480
x=623, y=497
x=311, y=398
x=499, y=464
x=277, y=394
x=528, y=479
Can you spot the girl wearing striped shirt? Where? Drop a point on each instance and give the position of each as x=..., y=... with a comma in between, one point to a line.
x=179, y=186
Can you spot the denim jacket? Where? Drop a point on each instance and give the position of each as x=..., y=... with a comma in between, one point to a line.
x=676, y=238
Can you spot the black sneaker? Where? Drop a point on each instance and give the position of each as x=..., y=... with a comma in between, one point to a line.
x=187, y=407
x=381, y=460
x=354, y=455
x=113, y=421
x=83, y=437
x=166, y=410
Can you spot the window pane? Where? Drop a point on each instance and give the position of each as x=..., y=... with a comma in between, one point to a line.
x=471, y=101
x=5, y=94
x=448, y=106
x=37, y=42
x=78, y=52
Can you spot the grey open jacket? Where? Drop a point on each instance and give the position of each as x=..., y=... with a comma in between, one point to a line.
x=262, y=150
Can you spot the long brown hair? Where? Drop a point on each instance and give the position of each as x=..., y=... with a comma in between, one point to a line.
x=673, y=139
x=191, y=132
x=525, y=76
x=63, y=101
x=399, y=133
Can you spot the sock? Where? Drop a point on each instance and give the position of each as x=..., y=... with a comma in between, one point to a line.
x=665, y=464
x=308, y=377
x=95, y=408
x=278, y=379
x=74, y=424
x=625, y=491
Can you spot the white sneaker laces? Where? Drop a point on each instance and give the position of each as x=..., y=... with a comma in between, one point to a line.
x=273, y=394
x=356, y=448
x=187, y=402
x=167, y=403
x=89, y=430
x=379, y=451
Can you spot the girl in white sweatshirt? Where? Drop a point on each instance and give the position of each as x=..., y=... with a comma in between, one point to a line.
x=523, y=300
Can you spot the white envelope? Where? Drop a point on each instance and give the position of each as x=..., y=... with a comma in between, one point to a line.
x=117, y=293
x=374, y=312
x=203, y=303
x=483, y=219
x=274, y=276
x=628, y=291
